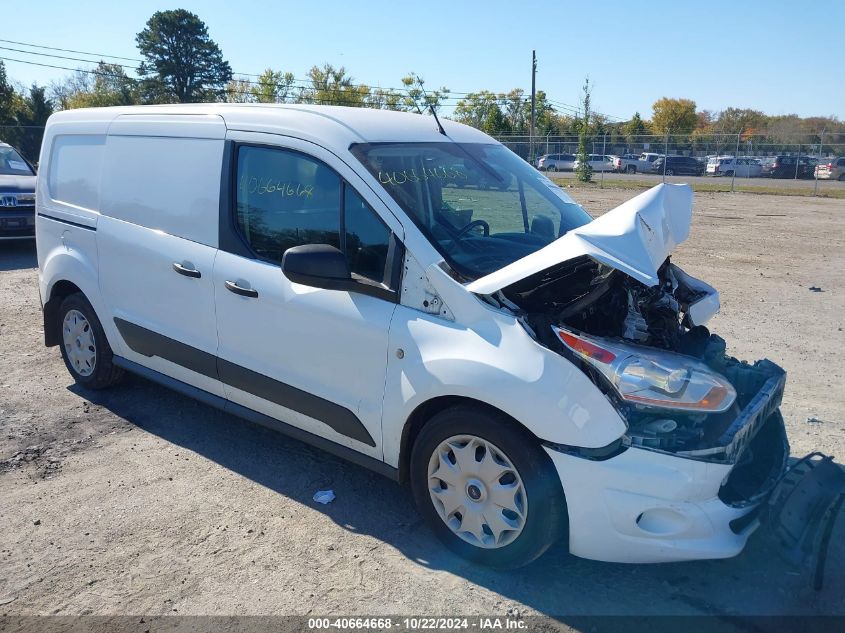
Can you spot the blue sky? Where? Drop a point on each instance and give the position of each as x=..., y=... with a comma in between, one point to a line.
x=777, y=56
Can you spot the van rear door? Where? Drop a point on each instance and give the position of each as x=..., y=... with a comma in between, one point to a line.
x=157, y=240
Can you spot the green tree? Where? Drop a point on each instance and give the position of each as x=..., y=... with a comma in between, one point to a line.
x=333, y=86
x=33, y=117
x=12, y=113
x=239, y=90
x=10, y=100
x=675, y=115
x=273, y=86
x=182, y=63
x=738, y=120
x=418, y=98
x=107, y=85
x=584, y=171
x=635, y=127
x=479, y=108
x=513, y=105
x=386, y=99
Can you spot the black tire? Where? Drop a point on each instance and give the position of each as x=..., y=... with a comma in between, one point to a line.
x=546, y=518
x=729, y=174
x=631, y=169
x=841, y=178
x=670, y=172
x=105, y=372
x=551, y=168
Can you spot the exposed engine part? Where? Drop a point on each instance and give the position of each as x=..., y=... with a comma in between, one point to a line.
x=587, y=296
x=599, y=300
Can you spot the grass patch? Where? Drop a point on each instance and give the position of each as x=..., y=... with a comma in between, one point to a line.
x=717, y=187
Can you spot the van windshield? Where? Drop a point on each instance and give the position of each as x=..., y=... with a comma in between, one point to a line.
x=480, y=205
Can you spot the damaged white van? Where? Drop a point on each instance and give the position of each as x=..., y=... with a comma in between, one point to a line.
x=412, y=296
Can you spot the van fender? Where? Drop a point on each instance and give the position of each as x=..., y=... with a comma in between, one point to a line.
x=68, y=261
x=496, y=363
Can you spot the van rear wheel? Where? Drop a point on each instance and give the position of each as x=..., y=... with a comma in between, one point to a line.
x=85, y=349
x=486, y=488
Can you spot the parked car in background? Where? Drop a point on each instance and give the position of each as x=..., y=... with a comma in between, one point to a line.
x=766, y=165
x=793, y=167
x=833, y=169
x=730, y=166
x=627, y=163
x=17, y=195
x=599, y=162
x=556, y=162
x=645, y=160
x=678, y=166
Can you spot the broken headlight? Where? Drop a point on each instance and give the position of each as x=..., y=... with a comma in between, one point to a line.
x=653, y=378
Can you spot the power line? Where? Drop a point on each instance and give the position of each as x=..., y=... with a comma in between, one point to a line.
x=331, y=100
x=68, y=50
x=298, y=82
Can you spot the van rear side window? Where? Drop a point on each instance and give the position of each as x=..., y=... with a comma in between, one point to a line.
x=170, y=184
x=75, y=165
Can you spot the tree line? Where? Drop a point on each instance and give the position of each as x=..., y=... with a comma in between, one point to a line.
x=182, y=64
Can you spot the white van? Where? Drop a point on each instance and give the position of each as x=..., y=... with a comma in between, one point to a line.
x=351, y=278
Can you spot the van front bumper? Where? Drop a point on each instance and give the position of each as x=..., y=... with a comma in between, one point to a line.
x=643, y=506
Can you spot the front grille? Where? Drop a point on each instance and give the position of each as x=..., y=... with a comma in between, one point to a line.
x=16, y=202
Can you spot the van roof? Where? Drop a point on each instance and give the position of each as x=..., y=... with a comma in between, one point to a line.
x=336, y=126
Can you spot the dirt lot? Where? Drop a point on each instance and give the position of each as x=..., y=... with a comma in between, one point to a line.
x=140, y=501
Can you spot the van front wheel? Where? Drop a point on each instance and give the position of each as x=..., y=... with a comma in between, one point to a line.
x=486, y=488
x=85, y=350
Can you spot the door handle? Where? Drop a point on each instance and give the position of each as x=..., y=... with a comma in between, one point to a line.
x=231, y=286
x=188, y=272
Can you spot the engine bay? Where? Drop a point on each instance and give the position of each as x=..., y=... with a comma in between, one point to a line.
x=587, y=297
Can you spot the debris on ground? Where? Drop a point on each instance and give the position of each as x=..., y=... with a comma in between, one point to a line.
x=324, y=496
x=814, y=420
x=815, y=289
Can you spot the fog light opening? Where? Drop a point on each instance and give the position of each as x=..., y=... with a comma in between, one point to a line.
x=662, y=522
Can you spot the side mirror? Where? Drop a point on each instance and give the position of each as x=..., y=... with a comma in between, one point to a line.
x=317, y=265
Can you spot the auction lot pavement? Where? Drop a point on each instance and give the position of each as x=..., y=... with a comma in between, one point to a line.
x=140, y=501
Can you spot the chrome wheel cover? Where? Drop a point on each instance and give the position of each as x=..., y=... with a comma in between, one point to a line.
x=477, y=491
x=78, y=339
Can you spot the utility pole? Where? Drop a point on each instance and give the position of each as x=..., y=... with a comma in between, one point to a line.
x=533, y=105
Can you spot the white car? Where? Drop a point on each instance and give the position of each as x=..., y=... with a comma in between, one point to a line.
x=728, y=166
x=341, y=275
x=556, y=162
x=599, y=162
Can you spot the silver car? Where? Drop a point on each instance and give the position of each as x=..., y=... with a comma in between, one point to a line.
x=556, y=162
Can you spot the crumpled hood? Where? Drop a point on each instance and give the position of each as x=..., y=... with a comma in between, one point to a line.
x=635, y=238
x=17, y=184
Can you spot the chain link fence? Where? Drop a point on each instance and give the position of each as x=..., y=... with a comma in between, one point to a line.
x=751, y=161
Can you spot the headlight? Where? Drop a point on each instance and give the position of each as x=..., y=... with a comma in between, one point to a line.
x=653, y=378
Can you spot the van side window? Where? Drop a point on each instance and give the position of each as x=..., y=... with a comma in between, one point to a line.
x=74, y=174
x=367, y=238
x=286, y=199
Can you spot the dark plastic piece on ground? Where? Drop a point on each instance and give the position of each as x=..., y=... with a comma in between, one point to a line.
x=803, y=509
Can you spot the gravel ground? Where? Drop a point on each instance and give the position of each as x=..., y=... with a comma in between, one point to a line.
x=140, y=501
